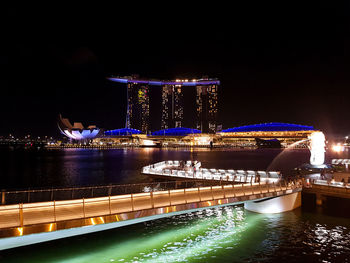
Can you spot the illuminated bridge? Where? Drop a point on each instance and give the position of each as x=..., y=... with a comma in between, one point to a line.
x=30, y=222
x=192, y=170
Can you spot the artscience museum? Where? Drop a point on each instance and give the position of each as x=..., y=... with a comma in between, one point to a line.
x=77, y=130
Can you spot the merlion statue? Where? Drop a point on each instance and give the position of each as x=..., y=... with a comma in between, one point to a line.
x=317, y=148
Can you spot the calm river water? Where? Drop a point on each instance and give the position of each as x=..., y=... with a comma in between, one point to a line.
x=229, y=234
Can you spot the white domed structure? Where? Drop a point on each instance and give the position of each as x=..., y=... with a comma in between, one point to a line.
x=77, y=130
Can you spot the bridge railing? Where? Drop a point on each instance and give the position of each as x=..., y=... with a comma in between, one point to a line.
x=341, y=161
x=93, y=209
x=327, y=183
x=70, y=193
x=192, y=170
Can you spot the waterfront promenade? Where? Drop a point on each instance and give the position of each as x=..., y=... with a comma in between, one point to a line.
x=79, y=216
x=192, y=170
x=322, y=190
x=29, y=217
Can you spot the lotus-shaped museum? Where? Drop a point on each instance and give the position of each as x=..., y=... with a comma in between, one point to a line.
x=77, y=130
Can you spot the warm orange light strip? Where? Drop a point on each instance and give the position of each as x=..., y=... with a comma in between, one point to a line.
x=20, y=230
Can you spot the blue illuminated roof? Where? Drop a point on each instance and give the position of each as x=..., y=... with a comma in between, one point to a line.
x=180, y=131
x=272, y=126
x=122, y=132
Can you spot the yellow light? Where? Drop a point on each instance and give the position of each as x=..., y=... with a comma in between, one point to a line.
x=337, y=148
x=148, y=143
x=101, y=218
x=20, y=231
x=92, y=221
x=117, y=218
x=50, y=227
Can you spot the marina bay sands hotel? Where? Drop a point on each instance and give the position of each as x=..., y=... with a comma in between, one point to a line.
x=172, y=109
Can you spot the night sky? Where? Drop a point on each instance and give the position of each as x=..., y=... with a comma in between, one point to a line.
x=284, y=63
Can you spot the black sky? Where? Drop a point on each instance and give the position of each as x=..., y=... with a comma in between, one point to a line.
x=287, y=63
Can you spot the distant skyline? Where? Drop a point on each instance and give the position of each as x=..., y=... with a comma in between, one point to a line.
x=288, y=63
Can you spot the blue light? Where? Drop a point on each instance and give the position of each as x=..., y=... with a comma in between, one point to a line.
x=161, y=82
x=122, y=132
x=273, y=126
x=120, y=80
x=180, y=131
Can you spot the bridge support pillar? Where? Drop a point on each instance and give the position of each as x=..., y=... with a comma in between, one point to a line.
x=277, y=204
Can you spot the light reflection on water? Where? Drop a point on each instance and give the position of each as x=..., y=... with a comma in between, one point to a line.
x=213, y=235
x=78, y=167
x=227, y=234
x=191, y=237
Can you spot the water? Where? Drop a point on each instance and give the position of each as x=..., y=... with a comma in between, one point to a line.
x=79, y=167
x=229, y=234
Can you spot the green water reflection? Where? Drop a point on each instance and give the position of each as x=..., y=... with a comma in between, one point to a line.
x=227, y=234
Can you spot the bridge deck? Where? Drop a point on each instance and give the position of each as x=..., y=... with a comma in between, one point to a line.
x=336, y=189
x=193, y=170
x=92, y=210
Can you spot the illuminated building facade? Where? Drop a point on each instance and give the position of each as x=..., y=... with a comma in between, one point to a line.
x=289, y=135
x=207, y=108
x=172, y=106
x=137, y=116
